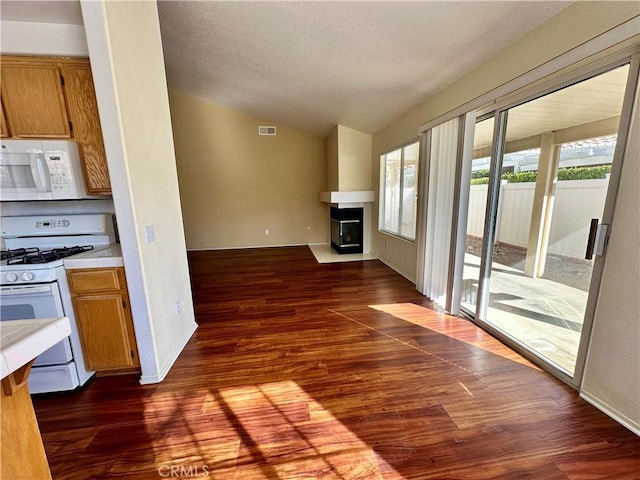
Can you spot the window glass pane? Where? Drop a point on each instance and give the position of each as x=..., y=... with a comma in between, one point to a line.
x=391, y=215
x=409, y=191
x=591, y=152
x=522, y=161
x=482, y=145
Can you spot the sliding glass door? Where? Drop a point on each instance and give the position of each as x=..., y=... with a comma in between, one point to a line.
x=540, y=173
x=478, y=189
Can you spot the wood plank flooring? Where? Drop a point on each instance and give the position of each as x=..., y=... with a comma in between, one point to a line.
x=301, y=370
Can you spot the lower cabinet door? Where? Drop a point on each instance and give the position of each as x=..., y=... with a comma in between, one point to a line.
x=103, y=329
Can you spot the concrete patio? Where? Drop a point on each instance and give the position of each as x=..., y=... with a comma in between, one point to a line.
x=543, y=315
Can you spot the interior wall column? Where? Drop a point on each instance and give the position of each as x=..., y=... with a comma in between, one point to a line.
x=542, y=209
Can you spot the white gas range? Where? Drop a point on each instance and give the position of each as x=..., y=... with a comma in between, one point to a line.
x=34, y=285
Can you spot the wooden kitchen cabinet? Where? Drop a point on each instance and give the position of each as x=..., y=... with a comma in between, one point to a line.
x=50, y=97
x=83, y=111
x=4, y=130
x=33, y=99
x=101, y=305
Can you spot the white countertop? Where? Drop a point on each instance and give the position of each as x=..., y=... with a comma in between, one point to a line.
x=23, y=340
x=105, y=257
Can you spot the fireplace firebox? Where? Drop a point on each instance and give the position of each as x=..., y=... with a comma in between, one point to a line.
x=346, y=230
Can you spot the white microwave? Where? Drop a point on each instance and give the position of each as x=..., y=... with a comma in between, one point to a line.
x=40, y=170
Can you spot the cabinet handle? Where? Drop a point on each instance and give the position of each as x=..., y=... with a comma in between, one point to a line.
x=124, y=303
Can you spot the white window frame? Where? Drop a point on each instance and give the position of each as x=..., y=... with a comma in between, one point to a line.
x=383, y=178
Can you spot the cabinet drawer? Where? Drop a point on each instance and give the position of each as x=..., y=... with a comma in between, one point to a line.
x=94, y=280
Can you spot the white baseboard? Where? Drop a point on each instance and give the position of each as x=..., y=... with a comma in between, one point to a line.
x=393, y=267
x=159, y=376
x=622, y=419
x=245, y=247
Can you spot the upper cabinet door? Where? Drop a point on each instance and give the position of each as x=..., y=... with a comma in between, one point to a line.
x=83, y=111
x=4, y=130
x=34, y=102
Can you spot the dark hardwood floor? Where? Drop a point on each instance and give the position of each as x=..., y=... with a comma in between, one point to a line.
x=334, y=371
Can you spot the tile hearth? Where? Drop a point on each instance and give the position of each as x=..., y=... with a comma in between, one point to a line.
x=325, y=254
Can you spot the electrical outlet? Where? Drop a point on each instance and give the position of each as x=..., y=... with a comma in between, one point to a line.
x=266, y=232
x=178, y=307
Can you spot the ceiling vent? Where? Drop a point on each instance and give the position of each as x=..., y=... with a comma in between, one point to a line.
x=266, y=130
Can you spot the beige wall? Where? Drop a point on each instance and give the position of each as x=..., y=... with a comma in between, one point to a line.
x=573, y=26
x=235, y=184
x=348, y=160
x=332, y=161
x=354, y=160
x=134, y=112
x=612, y=373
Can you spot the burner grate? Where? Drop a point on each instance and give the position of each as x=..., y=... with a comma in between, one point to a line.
x=18, y=252
x=47, y=256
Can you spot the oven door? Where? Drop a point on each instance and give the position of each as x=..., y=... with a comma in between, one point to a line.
x=18, y=302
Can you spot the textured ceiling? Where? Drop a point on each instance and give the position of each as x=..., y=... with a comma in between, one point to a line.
x=312, y=65
x=315, y=64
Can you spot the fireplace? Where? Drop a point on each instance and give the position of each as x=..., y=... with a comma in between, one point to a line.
x=346, y=230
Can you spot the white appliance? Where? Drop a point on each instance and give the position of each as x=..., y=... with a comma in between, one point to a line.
x=33, y=284
x=40, y=170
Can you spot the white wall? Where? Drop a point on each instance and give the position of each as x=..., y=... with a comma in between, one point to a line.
x=28, y=38
x=477, y=206
x=612, y=374
x=514, y=213
x=575, y=203
x=128, y=70
x=60, y=207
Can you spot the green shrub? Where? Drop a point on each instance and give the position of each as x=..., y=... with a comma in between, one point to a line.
x=583, y=173
x=569, y=173
x=480, y=174
x=480, y=181
x=520, y=177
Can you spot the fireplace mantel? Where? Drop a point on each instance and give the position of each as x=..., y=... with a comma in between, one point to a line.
x=347, y=197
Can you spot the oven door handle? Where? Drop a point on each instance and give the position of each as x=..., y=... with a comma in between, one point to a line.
x=25, y=290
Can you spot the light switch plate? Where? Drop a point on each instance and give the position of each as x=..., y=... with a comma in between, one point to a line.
x=150, y=234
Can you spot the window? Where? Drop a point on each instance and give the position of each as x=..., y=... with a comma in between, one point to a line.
x=399, y=188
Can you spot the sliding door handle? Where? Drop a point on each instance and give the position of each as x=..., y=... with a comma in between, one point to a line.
x=591, y=241
x=597, y=239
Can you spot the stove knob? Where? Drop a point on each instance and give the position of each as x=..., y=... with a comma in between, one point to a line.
x=11, y=277
x=28, y=276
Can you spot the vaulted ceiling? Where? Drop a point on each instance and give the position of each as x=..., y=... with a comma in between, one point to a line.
x=315, y=64
x=312, y=65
